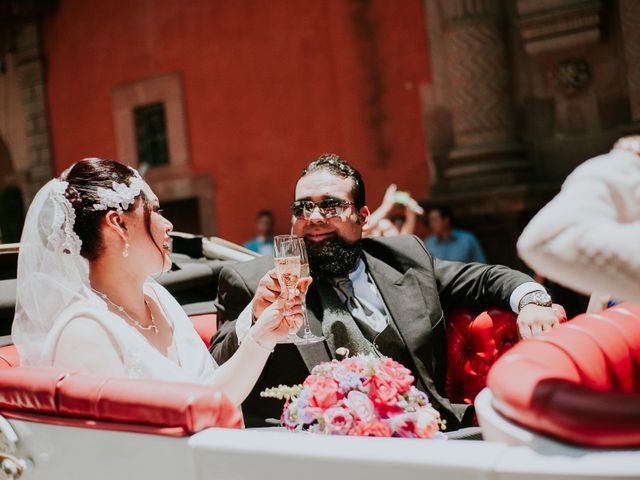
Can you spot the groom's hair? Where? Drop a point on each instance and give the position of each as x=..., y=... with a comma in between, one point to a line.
x=337, y=166
x=84, y=178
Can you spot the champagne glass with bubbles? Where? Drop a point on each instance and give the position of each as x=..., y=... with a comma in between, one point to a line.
x=291, y=264
x=287, y=262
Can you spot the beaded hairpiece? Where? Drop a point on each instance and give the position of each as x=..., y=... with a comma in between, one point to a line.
x=120, y=196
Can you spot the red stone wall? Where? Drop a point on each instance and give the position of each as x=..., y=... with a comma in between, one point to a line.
x=268, y=87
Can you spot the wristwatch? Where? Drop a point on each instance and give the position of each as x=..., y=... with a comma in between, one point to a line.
x=538, y=297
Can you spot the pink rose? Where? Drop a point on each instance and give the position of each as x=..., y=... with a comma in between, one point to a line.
x=384, y=395
x=337, y=421
x=360, y=405
x=323, y=392
x=395, y=373
x=427, y=422
x=377, y=428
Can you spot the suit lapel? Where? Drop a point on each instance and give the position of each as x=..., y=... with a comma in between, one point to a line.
x=405, y=298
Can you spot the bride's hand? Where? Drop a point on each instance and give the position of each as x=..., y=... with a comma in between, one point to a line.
x=281, y=317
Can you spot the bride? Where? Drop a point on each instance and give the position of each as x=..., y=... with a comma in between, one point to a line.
x=85, y=301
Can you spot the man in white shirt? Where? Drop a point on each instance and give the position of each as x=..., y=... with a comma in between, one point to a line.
x=383, y=295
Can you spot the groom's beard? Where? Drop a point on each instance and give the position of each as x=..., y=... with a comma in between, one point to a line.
x=333, y=257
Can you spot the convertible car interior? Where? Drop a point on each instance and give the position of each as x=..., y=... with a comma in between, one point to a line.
x=566, y=404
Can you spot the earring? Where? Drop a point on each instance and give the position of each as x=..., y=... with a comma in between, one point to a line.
x=125, y=252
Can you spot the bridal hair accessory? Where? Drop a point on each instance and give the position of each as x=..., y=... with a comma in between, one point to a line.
x=120, y=196
x=146, y=328
x=61, y=236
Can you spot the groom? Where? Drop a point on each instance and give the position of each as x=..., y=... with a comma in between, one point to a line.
x=384, y=294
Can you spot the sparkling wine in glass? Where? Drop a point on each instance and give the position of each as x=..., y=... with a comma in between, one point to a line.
x=288, y=270
x=287, y=261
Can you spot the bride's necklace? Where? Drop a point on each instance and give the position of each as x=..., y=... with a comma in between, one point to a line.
x=147, y=328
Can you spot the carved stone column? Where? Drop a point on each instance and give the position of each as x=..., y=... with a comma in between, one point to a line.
x=485, y=147
x=630, y=23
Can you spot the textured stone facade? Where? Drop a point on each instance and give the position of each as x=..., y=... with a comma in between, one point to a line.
x=523, y=92
x=485, y=148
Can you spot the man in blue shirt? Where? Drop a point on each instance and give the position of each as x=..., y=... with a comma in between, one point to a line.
x=448, y=243
x=263, y=242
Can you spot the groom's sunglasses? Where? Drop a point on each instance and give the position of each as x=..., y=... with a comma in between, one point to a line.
x=329, y=208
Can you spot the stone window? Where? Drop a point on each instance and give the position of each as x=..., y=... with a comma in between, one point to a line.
x=150, y=120
x=151, y=134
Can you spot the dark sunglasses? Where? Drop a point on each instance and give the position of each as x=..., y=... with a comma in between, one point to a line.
x=303, y=209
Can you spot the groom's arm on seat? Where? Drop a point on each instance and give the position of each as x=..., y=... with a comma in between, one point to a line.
x=233, y=296
x=478, y=286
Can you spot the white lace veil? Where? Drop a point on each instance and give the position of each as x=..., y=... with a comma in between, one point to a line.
x=51, y=273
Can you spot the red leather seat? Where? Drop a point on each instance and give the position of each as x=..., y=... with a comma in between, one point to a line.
x=474, y=343
x=50, y=395
x=579, y=383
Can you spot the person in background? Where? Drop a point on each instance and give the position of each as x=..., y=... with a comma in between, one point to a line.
x=263, y=242
x=448, y=243
x=395, y=216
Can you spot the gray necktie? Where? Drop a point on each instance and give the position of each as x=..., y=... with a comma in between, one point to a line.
x=359, y=308
x=338, y=325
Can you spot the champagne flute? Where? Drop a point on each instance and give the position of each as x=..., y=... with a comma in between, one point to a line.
x=287, y=261
x=308, y=336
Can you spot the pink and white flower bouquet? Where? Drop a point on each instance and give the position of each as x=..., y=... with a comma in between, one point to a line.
x=363, y=395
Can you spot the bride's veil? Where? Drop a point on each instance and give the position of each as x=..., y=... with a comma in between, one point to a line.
x=51, y=273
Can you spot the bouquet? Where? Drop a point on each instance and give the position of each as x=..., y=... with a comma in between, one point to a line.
x=363, y=395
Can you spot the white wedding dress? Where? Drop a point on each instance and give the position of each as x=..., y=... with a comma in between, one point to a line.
x=141, y=359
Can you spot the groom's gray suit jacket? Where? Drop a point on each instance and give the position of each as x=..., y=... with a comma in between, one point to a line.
x=416, y=290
